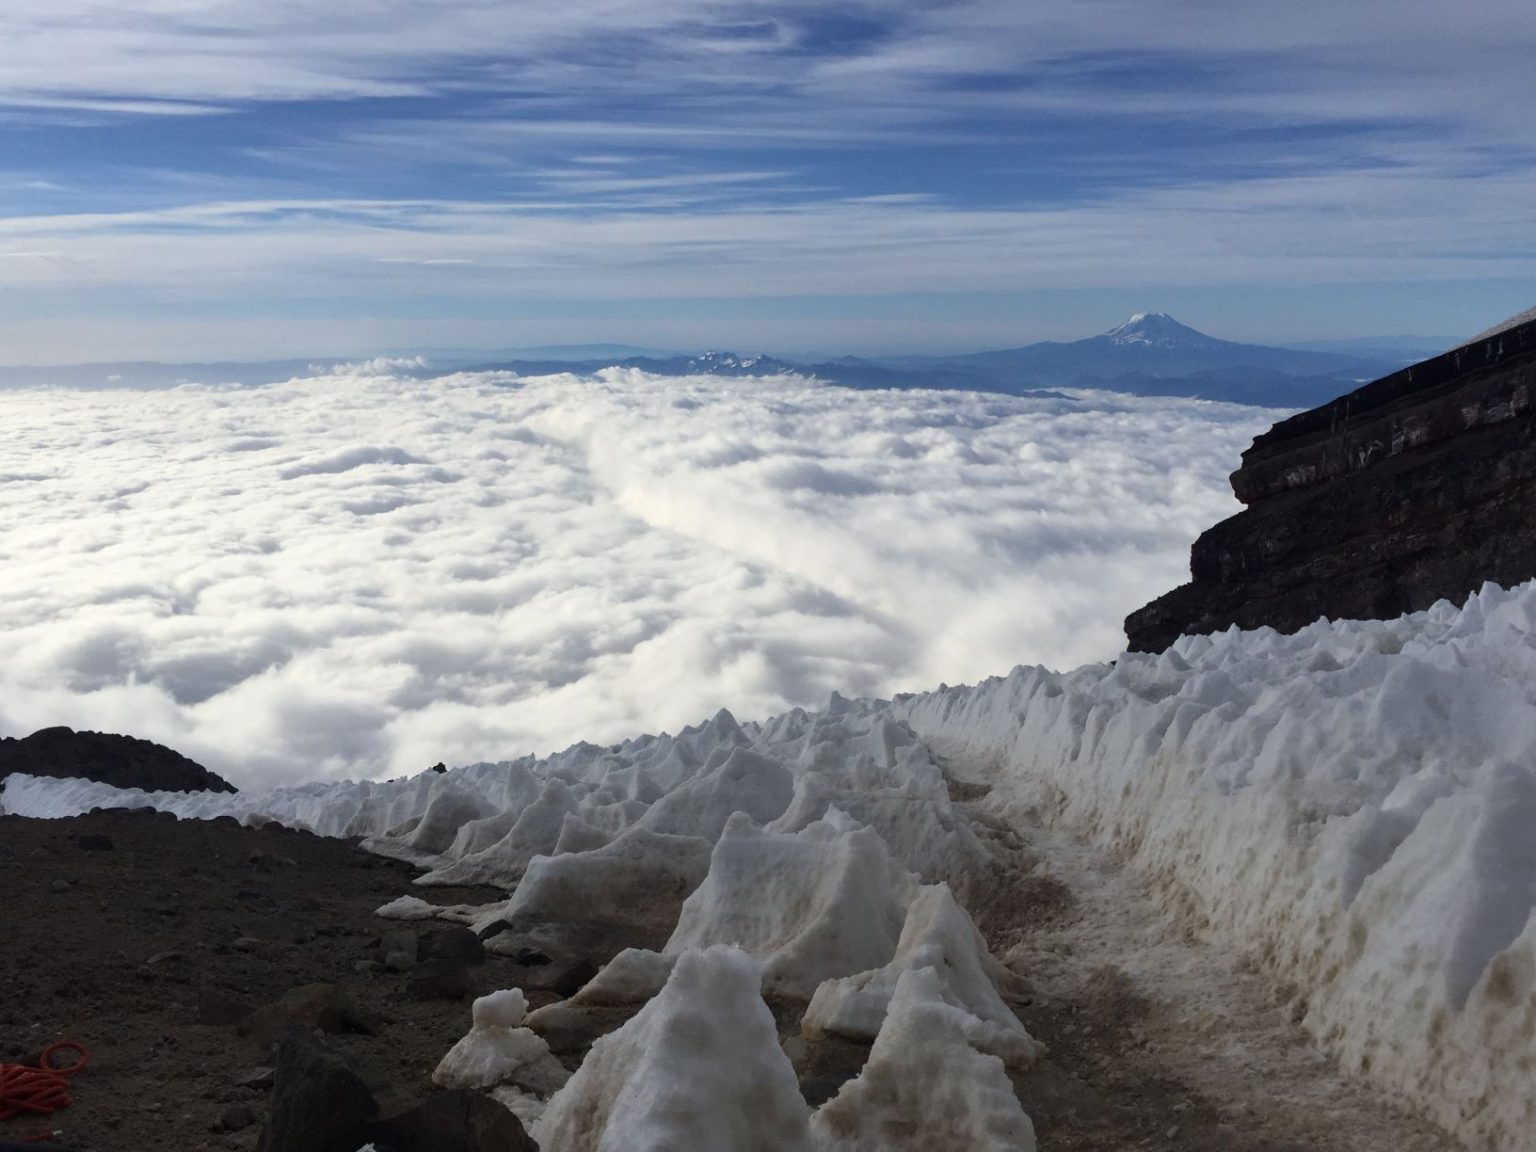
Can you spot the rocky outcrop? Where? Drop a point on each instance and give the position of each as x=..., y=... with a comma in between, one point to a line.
x=121, y=761
x=1417, y=487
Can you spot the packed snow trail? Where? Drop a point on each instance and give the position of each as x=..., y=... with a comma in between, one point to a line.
x=1155, y=1039
x=1347, y=808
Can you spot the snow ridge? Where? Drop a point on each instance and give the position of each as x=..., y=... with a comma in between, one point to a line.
x=1349, y=806
x=727, y=847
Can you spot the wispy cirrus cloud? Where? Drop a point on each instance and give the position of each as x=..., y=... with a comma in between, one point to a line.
x=704, y=146
x=1371, y=59
x=1373, y=223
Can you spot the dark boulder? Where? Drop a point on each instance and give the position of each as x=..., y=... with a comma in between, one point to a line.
x=121, y=761
x=322, y=1006
x=454, y=942
x=318, y=1103
x=439, y=980
x=452, y=1122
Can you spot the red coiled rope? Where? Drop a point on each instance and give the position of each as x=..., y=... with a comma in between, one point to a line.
x=42, y=1090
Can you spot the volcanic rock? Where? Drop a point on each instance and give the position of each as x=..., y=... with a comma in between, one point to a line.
x=318, y=1102
x=439, y=980
x=258, y=1079
x=121, y=761
x=220, y=1008
x=1415, y=488
x=322, y=1006
x=236, y=1118
x=457, y=1121
x=453, y=942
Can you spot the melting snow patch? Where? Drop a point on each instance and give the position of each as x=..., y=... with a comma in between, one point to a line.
x=938, y=938
x=811, y=905
x=925, y=1089
x=497, y=1049
x=699, y=1067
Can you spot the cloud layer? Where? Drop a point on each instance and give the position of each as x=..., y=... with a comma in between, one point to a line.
x=361, y=574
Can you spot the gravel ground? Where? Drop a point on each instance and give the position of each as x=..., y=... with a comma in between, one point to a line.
x=124, y=949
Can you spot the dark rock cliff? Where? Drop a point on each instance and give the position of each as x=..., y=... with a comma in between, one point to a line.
x=121, y=761
x=1417, y=487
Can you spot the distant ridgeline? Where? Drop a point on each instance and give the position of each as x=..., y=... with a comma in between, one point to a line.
x=1417, y=487
x=1151, y=354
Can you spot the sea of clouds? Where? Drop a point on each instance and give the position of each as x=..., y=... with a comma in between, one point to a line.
x=363, y=573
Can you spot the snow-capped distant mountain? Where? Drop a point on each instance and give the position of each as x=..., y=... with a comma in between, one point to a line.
x=702, y=364
x=1151, y=354
x=1158, y=330
x=730, y=364
x=1154, y=344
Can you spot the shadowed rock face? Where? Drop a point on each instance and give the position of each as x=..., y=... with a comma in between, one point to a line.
x=122, y=761
x=1417, y=487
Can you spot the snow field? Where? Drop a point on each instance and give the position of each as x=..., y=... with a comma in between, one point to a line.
x=1350, y=807
x=706, y=871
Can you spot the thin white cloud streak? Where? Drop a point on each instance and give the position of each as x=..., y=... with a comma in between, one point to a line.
x=1308, y=62
x=1375, y=224
x=361, y=575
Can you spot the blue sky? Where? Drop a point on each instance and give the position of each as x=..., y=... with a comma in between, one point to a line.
x=244, y=178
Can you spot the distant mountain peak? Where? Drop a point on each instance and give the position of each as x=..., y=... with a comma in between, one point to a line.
x=729, y=364
x=722, y=360
x=1157, y=330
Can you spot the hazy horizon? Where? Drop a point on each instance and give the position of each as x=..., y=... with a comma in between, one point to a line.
x=593, y=349
x=195, y=180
